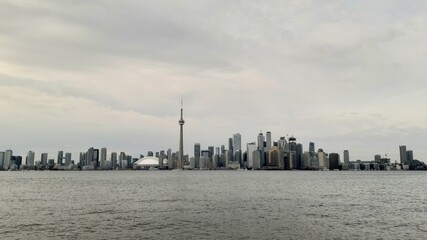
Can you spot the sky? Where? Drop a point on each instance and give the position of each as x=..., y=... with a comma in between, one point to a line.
x=343, y=74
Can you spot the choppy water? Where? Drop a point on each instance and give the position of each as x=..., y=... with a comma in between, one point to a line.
x=213, y=205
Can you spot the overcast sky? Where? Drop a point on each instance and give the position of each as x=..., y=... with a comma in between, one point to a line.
x=344, y=74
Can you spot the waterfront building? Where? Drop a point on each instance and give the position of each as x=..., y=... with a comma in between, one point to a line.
x=103, y=157
x=322, y=159
x=260, y=141
x=377, y=158
x=170, y=159
x=250, y=149
x=237, y=142
x=268, y=141
x=238, y=157
x=334, y=161
x=273, y=157
x=211, y=151
x=346, y=157
x=30, y=158
x=43, y=159
x=60, y=157
x=161, y=158
x=410, y=156
x=7, y=159
x=306, y=160
x=202, y=164
x=67, y=159
x=256, y=156
x=403, y=154
x=113, y=160
x=311, y=147
x=197, y=154
x=282, y=144
x=1, y=159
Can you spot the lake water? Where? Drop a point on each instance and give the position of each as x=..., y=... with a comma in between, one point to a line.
x=213, y=205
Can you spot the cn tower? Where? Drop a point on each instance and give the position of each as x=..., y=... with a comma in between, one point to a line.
x=181, y=122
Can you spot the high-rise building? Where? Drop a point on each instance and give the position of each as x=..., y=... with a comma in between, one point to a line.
x=161, y=157
x=311, y=147
x=82, y=159
x=403, y=154
x=30, y=158
x=122, y=158
x=269, y=142
x=181, y=122
x=334, y=161
x=346, y=157
x=43, y=159
x=297, y=163
x=67, y=159
x=410, y=156
x=197, y=152
x=7, y=160
x=1, y=159
x=60, y=157
x=250, y=148
x=230, y=144
x=237, y=142
x=170, y=159
x=103, y=157
x=260, y=141
x=113, y=160
x=211, y=151
x=322, y=159
x=282, y=144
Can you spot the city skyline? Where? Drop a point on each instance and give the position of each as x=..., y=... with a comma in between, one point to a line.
x=342, y=75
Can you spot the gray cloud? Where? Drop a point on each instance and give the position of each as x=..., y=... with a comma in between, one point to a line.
x=329, y=71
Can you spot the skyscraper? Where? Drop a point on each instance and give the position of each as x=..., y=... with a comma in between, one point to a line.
x=1, y=159
x=403, y=154
x=181, y=139
x=113, y=160
x=346, y=157
x=30, y=158
x=334, y=161
x=237, y=142
x=311, y=147
x=197, y=152
x=60, y=157
x=67, y=159
x=409, y=156
x=103, y=157
x=269, y=143
x=43, y=159
x=7, y=159
x=260, y=141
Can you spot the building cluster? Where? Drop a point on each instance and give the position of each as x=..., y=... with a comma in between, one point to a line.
x=263, y=154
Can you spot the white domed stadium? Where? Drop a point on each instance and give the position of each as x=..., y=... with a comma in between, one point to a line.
x=149, y=162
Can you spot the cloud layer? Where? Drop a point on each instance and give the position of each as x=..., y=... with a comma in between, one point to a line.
x=344, y=74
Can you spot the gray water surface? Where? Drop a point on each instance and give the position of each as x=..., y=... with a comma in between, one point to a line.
x=213, y=205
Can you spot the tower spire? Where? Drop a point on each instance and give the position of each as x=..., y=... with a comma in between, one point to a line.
x=181, y=122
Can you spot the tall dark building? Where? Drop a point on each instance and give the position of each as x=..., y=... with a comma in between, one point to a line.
x=211, y=151
x=298, y=156
x=197, y=152
x=403, y=154
x=311, y=147
x=334, y=161
x=409, y=156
